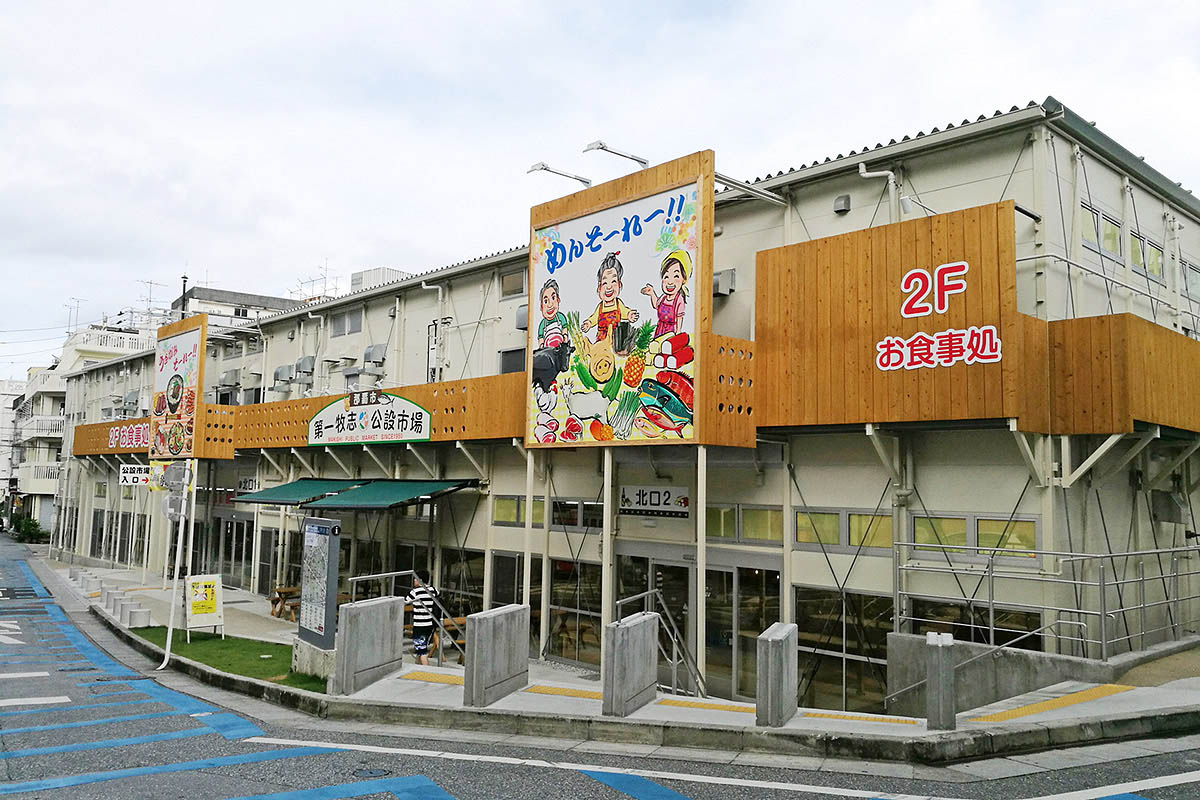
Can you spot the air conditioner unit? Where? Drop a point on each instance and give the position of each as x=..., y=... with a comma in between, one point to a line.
x=724, y=282
x=305, y=365
x=131, y=400
x=229, y=379
x=375, y=355
x=283, y=378
x=522, y=320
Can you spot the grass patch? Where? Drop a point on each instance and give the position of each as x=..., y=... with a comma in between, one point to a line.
x=237, y=656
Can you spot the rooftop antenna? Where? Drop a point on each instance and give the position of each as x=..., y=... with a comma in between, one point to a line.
x=542, y=167
x=599, y=145
x=71, y=327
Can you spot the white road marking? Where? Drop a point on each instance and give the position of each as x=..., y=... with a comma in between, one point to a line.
x=35, y=701
x=10, y=625
x=9, y=630
x=11, y=675
x=832, y=791
x=5, y=639
x=1081, y=794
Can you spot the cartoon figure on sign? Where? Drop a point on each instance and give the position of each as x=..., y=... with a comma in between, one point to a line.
x=551, y=330
x=675, y=271
x=610, y=310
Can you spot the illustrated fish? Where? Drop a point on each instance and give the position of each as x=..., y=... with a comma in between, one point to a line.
x=655, y=395
x=664, y=421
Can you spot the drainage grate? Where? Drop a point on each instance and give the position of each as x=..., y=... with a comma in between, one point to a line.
x=370, y=773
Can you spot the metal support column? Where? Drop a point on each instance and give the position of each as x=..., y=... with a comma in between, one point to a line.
x=527, y=566
x=701, y=511
x=547, y=506
x=607, y=562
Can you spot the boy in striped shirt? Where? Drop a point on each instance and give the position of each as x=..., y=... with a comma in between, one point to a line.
x=421, y=599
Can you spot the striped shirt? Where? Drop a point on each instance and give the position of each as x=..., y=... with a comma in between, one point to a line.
x=421, y=599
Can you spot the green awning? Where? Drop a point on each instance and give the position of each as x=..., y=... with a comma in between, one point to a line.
x=297, y=492
x=385, y=494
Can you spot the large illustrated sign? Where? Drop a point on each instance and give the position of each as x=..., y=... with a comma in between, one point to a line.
x=612, y=331
x=178, y=372
x=369, y=417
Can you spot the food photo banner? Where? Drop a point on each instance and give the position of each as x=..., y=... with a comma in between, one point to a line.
x=613, y=323
x=178, y=381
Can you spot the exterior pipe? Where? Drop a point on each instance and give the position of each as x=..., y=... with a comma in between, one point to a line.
x=891, y=186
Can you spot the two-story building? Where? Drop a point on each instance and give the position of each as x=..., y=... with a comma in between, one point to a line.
x=946, y=382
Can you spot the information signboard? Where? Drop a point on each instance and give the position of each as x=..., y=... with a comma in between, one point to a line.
x=654, y=501
x=318, y=582
x=204, y=602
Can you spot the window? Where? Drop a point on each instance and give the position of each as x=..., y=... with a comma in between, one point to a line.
x=1145, y=256
x=762, y=524
x=976, y=531
x=101, y=489
x=509, y=509
x=232, y=350
x=1110, y=236
x=593, y=514
x=345, y=322
x=870, y=530
x=254, y=345
x=512, y=360
x=1191, y=277
x=843, y=649
x=747, y=524
x=241, y=312
x=818, y=527
x=1090, y=227
x=565, y=514
x=512, y=284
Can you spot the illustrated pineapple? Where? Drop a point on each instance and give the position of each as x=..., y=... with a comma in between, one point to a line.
x=635, y=365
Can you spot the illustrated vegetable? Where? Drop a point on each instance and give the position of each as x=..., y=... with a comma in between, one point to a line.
x=635, y=365
x=622, y=418
x=600, y=431
x=613, y=386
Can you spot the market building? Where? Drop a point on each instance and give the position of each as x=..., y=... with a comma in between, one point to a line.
x=943, y=383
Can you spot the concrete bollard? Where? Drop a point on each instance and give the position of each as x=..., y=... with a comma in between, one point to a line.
x=497, y=654
x=124, y=610
x=73, y=573
x=139, y=618
x=89, y=584
x=114, y=597
x=630, y=676
x=939, y=681
x=778, y=675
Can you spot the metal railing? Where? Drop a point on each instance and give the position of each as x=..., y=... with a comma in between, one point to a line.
x=994, y=652
x=437, y=618
x=40, y=425
x=1112, y=609
x=680, y=655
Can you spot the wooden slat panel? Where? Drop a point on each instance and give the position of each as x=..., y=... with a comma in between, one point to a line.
x=91, y=440
x=837, y=298
x=1101, y=373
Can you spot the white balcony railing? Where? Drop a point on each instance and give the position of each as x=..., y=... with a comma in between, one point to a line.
x=37, y=472
x=108, y=340
x=41, y=426
x=49, y=381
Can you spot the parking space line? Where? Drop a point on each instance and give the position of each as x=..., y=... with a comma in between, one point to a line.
x=90, y=722
x=635, y=786
x=35, y=701
x=105, y=744
x=49, y=784
x=77, y=708
x=411, y=787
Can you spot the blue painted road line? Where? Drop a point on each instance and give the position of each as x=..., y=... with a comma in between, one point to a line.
x=106, y=744
x=414, y=787
x=78, y=708
x=231, y=726
x=90, y=722
x=178, y=700
x=34, y=583
x=113, y=694
x=1123, y=797
x=104, y=684
x=635, y=786
x=85, y=647
x=50, y=784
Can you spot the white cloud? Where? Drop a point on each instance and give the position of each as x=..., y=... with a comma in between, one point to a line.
x=251, y=142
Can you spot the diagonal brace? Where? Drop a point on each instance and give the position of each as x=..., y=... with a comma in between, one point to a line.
x=304, y=463
x=338, y=460
x=1036, y=470
x=1159, y=480
x=1090, y=461
x=883, y=443
x=1141, y=444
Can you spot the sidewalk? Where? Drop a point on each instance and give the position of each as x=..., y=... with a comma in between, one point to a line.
x=565, y=704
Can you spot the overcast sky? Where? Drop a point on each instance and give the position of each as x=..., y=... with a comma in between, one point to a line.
x=249, y=143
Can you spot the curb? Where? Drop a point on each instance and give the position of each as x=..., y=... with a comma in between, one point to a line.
x=934, y=750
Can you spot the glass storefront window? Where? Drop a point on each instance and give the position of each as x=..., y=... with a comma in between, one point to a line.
x=565, y=513
x=1020, y=534
x=762, y=524
x=462, y=581
x=575, y=611
x=721, y=522
x=758, y=609
x=940, y=531
x=870, y=530
x=593, y=515
x=843, y=649
x=818, y=527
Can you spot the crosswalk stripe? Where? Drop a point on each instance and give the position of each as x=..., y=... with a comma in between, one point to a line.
x=35, y=701
x=8, y=676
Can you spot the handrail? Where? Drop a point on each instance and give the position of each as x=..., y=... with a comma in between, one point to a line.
x=994, y=649
x=437, y=620
x=676, y=638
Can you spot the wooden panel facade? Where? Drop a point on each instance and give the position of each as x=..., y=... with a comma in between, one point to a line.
x=727, y=396
x=104, y=438
x=823, y=308
x=477, y=408
x=1111, y=370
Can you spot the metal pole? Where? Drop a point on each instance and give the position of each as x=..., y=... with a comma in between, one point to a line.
x=1177, y=623
x=171, y=600
x=1102, y=584
x=607, y=561
x=991, y=576
x=547, y=575
x=1141, y=574
x=700, y=510
x=527, y=576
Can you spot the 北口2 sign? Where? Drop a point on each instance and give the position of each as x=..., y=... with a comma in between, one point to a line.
x=654, y=501
x=928, y=293
x=612, y=334
x=369, y=417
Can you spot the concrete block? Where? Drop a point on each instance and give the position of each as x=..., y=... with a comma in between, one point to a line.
x=497, y=654
x=126, y=609
x=73, y=573
x=778, y=675
x=312, y=660
x=114, y=596
x=120, y=605
x=630, y=676
x=369, y=643
x=939, y=682
x=89, y=584
x=139, y=618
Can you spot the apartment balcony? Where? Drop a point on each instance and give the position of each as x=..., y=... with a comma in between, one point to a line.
x=49, y=382
x=40, y=427
x=112, y=341
x=38, y=478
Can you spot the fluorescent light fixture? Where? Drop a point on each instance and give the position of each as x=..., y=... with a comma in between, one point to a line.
x=541, y=166
x=600, y=145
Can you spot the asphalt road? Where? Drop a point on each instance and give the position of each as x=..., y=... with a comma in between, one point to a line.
x=82, y=716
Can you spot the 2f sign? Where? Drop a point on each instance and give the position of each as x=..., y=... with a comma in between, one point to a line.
x=919, y=284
